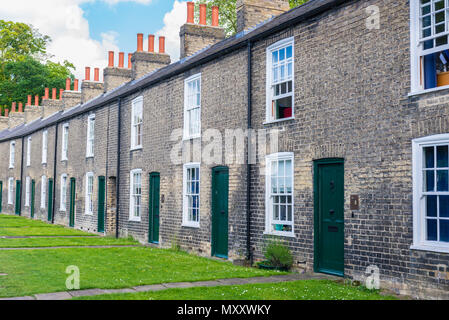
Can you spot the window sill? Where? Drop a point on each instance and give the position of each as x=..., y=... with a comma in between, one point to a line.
x=278, y=121
x=190, y=225
x=136, y=149
x=191, y=137
x=11, y=167
x=135, y=219
x=280, y=234
x=62, y=160
x=90, y=157
x=421, y=92
x=88, y=213
x=431, y=247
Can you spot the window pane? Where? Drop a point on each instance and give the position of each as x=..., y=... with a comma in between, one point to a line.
x=444, y=206
x=289, y=52
x=432, y=230
x=441, y=41
x=429, y=158
x=429, y=182
x=275, y=212
x=444, y=230
x=281, y=54
x=425, y=10
x=439, y=17
x=442, y=180
x=283, y=213
x=439, y=5
x=442, y=156
x=289, y=213
x=431, y=203
x=274, y=186
x=426, y=21
x=275, y=57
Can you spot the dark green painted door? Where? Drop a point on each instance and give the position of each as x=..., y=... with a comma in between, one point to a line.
x=33, y=196
x=220, y=195
x=101, y=202
x=50, y=199
x=72, y=202
x=329, y=216
x=1, y=196
x=154, y=205
x=18, y=191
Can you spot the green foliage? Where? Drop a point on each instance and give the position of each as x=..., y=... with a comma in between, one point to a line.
x=296, y=3
x=278, y=255
x=24, y=65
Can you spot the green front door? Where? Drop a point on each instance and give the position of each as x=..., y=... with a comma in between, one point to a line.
x=72, y=202
x=1, y=196
x=50, y=199
x=101, y=202
x=18, y=191
x=155, y=186
x=220, y=194
x=33, y=195
x=329, y=216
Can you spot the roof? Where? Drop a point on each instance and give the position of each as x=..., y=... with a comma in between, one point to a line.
x=294, y=16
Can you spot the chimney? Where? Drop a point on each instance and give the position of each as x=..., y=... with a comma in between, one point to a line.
x=61, y=91
x=53, y=95
x=252, y=12
x=16, y=118
x=29, y=100
x=47, y=94
x=20, y=107
x=91, y=89
x=146, y=62
x=70, y=98
x=130, y=64
x=36, y=101
x=116, y=76
x=195, y=37
x=13, y=107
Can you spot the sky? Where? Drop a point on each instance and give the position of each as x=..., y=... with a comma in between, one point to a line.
x=83, y=31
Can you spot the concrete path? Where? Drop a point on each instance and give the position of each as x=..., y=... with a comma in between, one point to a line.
x=32, y=237
x=71, y=247
x=180, y=285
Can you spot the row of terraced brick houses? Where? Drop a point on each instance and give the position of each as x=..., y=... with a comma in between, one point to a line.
x=345, y=104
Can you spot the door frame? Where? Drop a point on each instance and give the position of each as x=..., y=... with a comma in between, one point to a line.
x=213, y=242
x=100, y=179
x=18, y=207
x=72, y=202
x=50, y=195
x=33, y=197
x=150, y=206
x=316, y=211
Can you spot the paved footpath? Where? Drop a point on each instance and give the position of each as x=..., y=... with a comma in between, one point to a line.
x=71, y=247
x=178, y=285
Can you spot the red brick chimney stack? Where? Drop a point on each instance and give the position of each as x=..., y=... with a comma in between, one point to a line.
x=121, y=59
x=97, y=74
x=203, y=14
x=36, y=101
x=130, y=64
x=68, y=83
x=13, y=107
x=161, y=44
x=20, y=107
x=140, y=42
x=151, y=43
x=190, y=12
x=75, y=85
x=29, y=100
x=47, y=93
x=53, y=96
x=215, y=16
x=87, y=76
x=111, y=59
x=6, y=113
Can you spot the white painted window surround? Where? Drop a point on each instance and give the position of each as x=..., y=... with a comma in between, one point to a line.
x=135, y=201
x=90, y=143
x=43, y=191
x=137, y=123
x=431, y=193
x=10, y=190
x=89, y=202
x=63, y=199
x=29, y=151
x=192, y=107
x=44, y=146
x=12, y=154
x=191, y=195
x=279, y=194
x=65, y=142
x=27, y=191
x=280, y=85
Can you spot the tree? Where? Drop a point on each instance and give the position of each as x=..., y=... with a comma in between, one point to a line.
x=228, y=14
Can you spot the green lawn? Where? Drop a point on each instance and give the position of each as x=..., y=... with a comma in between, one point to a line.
x=298, y=290
x=64, y=242
x=42, y=271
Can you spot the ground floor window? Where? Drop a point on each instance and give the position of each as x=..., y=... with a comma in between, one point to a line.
x=279, y=194
x=191, y=195
x=135, y=207
x=431, y=192
x=63, y=200
x=10, y=190
x=27, y=191
x=43, y=191
x=89, y=193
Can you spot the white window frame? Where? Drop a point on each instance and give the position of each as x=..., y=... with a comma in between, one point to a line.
x=27, y=191
x=419, y=214
x=29, y=141
x=416, y=48
x=63, y=199
x=268, y=198
x=269, y=84
x=65, y=142
x=90, y=140
x=43, y=192
x=188, y=107
x=89, y=199
x=11, y=190
x=44, y=146
x=132, y=195
x=12, y=154
x=186, y=222
x=137, y=107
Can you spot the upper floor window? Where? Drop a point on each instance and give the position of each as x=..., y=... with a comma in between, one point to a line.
x=27, y=191
x=90, y=136
x=279, y=194
x=29, y=151
x=191, y=195
x=10, y=190
x=63, y=200
x=431, y=193
x=136, y=123
x=429, y=44
x=12, y=154
x=280, y=80
x=135, y=207
x=65, y=141
x=192, y=107
x=43, y=191
x=89, y=205
x=44, y=146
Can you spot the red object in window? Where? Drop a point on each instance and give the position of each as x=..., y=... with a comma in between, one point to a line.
x=287, y=112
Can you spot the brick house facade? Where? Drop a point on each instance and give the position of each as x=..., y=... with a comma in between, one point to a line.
x=343, y=186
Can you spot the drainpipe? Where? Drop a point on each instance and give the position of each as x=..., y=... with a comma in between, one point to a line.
x=21, y=179
x=248, y=168
x=117, y=180
x=54, y=174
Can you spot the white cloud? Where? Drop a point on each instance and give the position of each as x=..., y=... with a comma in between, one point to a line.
x=173, y=21
x=64, y=22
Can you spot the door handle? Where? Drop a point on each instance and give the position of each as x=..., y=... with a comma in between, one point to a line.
x=331, y=212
